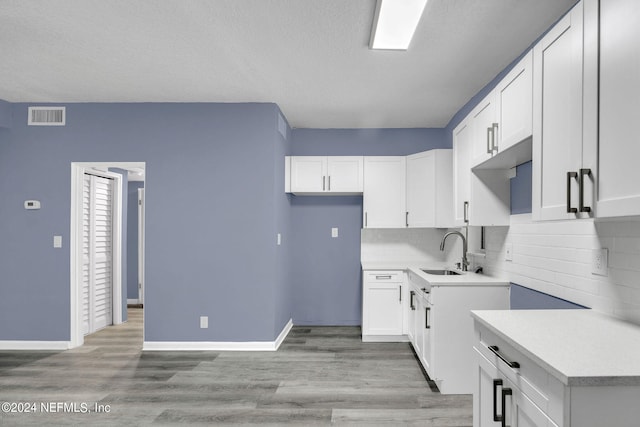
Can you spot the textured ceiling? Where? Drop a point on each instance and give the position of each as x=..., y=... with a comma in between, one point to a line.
x=310, y=57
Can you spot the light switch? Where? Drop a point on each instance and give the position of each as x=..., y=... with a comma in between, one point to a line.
x=279, y=239
x=57, y=241
x=334, y=232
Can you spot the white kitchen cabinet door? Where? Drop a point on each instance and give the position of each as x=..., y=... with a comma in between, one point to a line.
x=618, y=192
x=461, y=172
x=485, y=391
x=484, y=129
x=427, y=339
x=557, y=118
x=322, y=175
x=514, y=105
x=382, y=309
x=345, y=174
x=429, y=189
x=308, y=174
x=384, y=200
x=411, y=318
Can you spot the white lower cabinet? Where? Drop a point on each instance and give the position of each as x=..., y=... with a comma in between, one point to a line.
x=443, y=329
x=500, y=402
x=383, y=306
x=511, y=389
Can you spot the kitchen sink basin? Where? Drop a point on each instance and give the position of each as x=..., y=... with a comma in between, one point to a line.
x=442, y=272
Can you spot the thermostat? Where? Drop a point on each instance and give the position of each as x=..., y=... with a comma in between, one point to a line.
x=32, y=204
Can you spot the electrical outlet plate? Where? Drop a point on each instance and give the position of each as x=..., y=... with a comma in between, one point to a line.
x=508, y=252
x=600, y=262
x=204, y=322
x=334, y=232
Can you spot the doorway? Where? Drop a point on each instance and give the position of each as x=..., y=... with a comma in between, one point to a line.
x=98, y=285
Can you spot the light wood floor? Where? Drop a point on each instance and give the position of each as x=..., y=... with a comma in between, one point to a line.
x=319, y=376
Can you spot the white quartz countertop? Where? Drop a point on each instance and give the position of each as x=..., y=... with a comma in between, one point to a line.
x=464, y=278
x=578, y=347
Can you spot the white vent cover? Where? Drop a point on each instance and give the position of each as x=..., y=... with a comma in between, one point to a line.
x=46, y=116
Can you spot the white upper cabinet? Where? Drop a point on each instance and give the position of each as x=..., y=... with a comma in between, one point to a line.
x=618, y=192
x=484, y=128
x=462, y=172
x=514, y=105
x=504, y=118
x=565, y=92
x=322, y=175
x=429, y=189
x=384, y=197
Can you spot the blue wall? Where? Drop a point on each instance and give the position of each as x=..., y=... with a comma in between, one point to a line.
x=521, y=188
x=326, y=271
x=5, y=114
x=211, y=223
x=367, y=142
x=132, y=239
x=528, y=299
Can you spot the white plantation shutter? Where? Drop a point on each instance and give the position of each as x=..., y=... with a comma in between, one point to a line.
x=97, y=253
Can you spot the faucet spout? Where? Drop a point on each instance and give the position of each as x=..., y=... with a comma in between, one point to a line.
x=465, y=262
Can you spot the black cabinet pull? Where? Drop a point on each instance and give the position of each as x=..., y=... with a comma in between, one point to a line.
x=496, y=384
x=426, y=318
x=505, y=392
x=581, y=206
x=411, y=295
x=570, y=175
x=495, y=350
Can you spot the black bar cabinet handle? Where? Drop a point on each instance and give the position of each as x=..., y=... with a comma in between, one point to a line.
x=570, y=175
x=495, y=350
x=496, y=384
x=426, y=318
x=505, y=392
x=411, y=295
x=581, y=205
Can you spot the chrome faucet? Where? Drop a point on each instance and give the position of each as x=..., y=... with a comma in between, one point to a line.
x=465, y=262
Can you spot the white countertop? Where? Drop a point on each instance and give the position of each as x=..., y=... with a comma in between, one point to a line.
x=464, y=278
x=578, y=347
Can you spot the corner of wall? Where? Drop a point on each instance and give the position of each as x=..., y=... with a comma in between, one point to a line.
x=6, y=116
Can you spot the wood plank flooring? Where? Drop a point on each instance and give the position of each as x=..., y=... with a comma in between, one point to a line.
x=319, y=376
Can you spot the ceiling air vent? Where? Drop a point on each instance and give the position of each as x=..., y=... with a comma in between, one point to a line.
x=46, y=116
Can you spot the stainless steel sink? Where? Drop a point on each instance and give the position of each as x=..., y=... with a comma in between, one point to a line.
x=442, y=272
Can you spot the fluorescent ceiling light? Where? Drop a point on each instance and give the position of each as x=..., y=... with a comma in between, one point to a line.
x=394, y=23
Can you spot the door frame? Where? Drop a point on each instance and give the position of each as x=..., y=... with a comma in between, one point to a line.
x=141, y=233
x=78, y=170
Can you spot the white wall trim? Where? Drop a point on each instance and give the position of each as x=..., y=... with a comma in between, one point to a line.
x=133, y=301
x=283, y=334
x=35, y=345
x=219, y=345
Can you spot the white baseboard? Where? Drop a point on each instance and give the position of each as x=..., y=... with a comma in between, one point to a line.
x=132, y=301
x=283, y=334
x=385, y=338
x=35, y=345
x=219, y=345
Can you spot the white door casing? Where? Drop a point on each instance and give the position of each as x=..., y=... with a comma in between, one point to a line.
x=76, y=244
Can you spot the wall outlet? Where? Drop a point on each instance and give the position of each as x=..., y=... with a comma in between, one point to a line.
x=600, y=262
x=57, y=242
x=204, y=322
x=279, y=239
x=334, y=232
x=508, y=252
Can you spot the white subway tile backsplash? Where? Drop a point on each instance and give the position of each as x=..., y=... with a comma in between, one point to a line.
x=555, y=258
